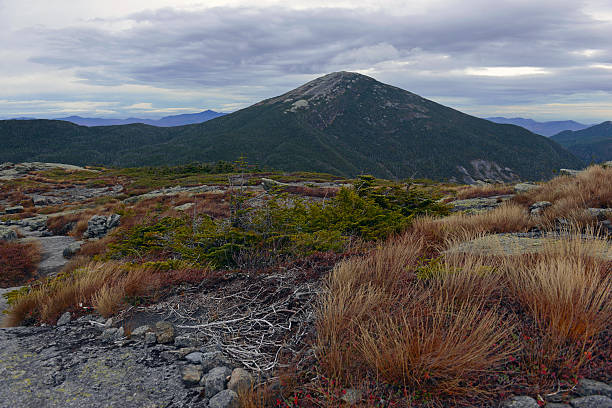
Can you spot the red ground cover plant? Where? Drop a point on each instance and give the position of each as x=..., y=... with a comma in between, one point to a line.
x=18, y=263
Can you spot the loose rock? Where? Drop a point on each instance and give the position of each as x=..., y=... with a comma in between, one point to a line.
x=592, y=401
x=64, y=319
x=224, y=399
x=522, y=401
x=165, y=332
x=214, y=381
x=240, y=380
x=7, y=234
x=191, y=374
x=590, y=387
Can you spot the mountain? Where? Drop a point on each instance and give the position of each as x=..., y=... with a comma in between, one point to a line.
x=541, y=128
x=175, y=120
x=593, y=144
x=342, y=123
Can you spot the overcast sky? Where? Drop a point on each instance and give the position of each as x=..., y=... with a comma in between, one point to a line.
x=543, y=59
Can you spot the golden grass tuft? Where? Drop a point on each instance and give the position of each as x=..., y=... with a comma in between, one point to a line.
x=490, y=190
x=103, y=285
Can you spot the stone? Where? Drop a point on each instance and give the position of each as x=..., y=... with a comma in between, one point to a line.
x=224, y=399
x=352, y=396
x=195, y=357
x=213, y=359
x=522, y=401
x=7, y=234
x=473, y=205
x=184, y=207
x=557, y=405
x=165, y=332
x=269, y=184
x=538, y=207
x=14, y=210
x=72, y=249
x=140, y=331
x=112, y=333
x=591, y=387
x=592, y=401
x=64, y=319
x=525, y=187
x=185, y=341
x=150, y=338
x=191, y=374
x=214, y=382
x=184, y=351
x=240, y=380
x=600, y=213
x=99, y=225
x=606, y=164
x=569, y=172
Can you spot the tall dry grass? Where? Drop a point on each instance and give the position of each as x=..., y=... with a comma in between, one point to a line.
x=105, y=286
x=441, y=324
x=591, y=188
x=377, y=316
x=489, y=190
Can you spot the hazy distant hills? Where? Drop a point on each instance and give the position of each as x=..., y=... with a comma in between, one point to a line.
x=166, y=121
x=541, y=128
x=342, y=123
x=593, y=144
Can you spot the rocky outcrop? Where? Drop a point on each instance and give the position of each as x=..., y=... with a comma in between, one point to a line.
x=98, y=225
x=11, y=171
x=525, y=187
x=7, y=234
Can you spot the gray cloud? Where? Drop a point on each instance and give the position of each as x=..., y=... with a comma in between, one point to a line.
x=252, y=53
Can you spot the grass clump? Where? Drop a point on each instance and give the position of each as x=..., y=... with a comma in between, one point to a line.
x=18, y=262
x=106, y=287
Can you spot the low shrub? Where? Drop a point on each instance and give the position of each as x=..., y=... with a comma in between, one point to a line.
x=18, y=262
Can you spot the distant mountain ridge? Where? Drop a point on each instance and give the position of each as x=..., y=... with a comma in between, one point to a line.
x=593, y=144
x=166, y=121
x=541, y=128
x=343, y=123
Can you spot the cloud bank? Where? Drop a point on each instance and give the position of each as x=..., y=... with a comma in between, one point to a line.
x=546, y=59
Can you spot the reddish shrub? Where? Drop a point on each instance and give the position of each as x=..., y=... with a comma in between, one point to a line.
x=18, y=263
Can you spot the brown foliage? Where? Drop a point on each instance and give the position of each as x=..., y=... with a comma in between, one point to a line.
x=18, y=262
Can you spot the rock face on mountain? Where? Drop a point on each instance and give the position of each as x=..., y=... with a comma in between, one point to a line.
x=342, y=123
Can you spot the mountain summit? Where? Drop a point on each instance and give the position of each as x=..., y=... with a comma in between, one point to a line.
x=342, y=123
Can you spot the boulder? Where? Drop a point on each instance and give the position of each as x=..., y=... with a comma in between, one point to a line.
x=525, y=187
x=522, y=401
x=140, y=331
x=64, y=319
x=224, y=399
x=195, y=357
x=538, y=207
x=164, y=332
x=592, y=401
x=7, y=234
x=569, y=172
x=72, y=249
x=269, y=184
x=213, y=359
x=240, y=380
x=191, y=374
x=214, y=382
x=590, y=387
x=184, y=207
x=99, y=225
